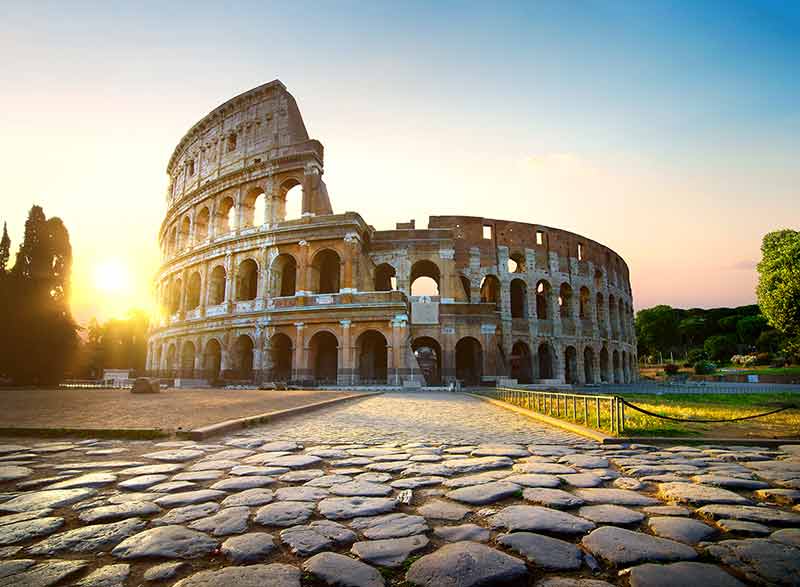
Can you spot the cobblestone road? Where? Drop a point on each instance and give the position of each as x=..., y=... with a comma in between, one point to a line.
x=400, y=489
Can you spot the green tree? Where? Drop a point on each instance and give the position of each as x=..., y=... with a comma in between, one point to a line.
x=749, y=328
x=779, y=284
x=5, y=248
x=657, y=329
x=720, y=347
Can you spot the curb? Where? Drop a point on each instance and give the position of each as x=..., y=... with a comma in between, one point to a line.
x=555, y=422
x=112, y=433
x=696, y=440
x=240, y=423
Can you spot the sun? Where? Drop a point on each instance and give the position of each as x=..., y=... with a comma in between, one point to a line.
x=111, y=275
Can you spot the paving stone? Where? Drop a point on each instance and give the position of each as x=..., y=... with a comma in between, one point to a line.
x=248, y=548
x=165, y=542
x=466, y=564
x=88, y=480
x=443, y=510
x=539, y=519
x=549, y=450
x=30, y=573
x=416, y=482
x=115, y=512
x=339, y=508
x=544, y=552
x=390, y=526
x=249, y=497
x=476, y=464
x=790, y=536
x=582, y=480
x=537, y=468
x=534, y=480
x=38, y=500
x=27, y=529
x=620, y=547
x=189, y=497
x=389, y=553
x=215, y=464
x=329, y=481
x=682, y=573
x=425, y=458
x=280, y=445
x=610, y=514
x=187, y=513
x=500, y=450
x=570, y=582
x=628, y=483
x=390, y=467
x=729, y=482
x=301, y=475
x=556, y=498
x=172, y=487
x=585, y=461
x=479, y=479
x=242, y=483
x=303, y=493
x=342, y=571
x=686, y=530
x=371, y=477
x=164, y=571
x=781, y=496
x=295, y=461
x=272, y=575
x=760, y=560
x=175, y=456
x=765, y=515
x=87, y=465
x=163, y=469
x=667, y=510
x=107, y=576
x=22, y=516
x=93, y=538
x=226, y=521
x=316, y=537
x=11, y=448
x=471, y=532
x=743, y=528
x=284, y=513
x=697, y=494
x=141, y=482
x=614, y=496
x=486, y=493
x=233, y=453
x=258, y=471
x=14, y=473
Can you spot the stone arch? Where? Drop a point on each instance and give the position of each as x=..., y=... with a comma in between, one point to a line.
x=626, y=377
x=545, y=354
x=612, y=317
x=565, y=300
x=187, y=359
x=373, y=357
x=212, y=359
x=521, y=362
x=599, y=308
x=598, y=279
x=280, y=350
x=466, y=285
x=243, y=352
x=172, y=241
x=385, y=277
x=283, y=276
x=543, y=292
x=519, y=299
x=605, y=373
x=290, y=200
x=217, y=285
x=490, y=290
x=226, y=215
x=184, y=237
x=623, y=326
x=202, y=225
x=323, y=357
x=516, y=263
x=585, y=302
x=588, y=365
x=172, y=357
x=193, y=291
x=616, y=367
x=254, y=206
x=570, y=365
x=428, y=353
x=469, y=361
x=425, y=278
x=247, y=280
x=176, y=291
x=326, y=272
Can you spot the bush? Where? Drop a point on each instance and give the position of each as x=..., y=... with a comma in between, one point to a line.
x=671, y=369
x=743, y=360
x=704, y=367
x=695, y=355
x=763, y=359
x=720, y=346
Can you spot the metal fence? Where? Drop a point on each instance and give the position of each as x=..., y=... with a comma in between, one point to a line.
x=602, y=412
x=692, y=387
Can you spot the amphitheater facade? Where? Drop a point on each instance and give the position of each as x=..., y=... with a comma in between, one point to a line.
x=250, y=295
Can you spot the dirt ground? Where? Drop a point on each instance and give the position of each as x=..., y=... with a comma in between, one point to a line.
x=170, y=410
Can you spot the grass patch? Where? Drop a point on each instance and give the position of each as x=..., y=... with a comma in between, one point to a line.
x=794, y=370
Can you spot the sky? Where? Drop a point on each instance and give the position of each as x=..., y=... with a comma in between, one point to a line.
x=668, y=131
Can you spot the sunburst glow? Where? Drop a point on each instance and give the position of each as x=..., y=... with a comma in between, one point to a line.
x=111, y=275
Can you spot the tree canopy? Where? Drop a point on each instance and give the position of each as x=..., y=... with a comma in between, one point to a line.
x=779, y=284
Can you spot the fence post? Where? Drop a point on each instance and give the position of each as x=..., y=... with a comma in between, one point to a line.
x=597, y=406
x=586, y=411
x=622, y=416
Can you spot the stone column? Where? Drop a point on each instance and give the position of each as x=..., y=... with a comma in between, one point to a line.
x=346, y=372
x=302, y=287
x=596, y=374
x=448, y=358
x=398, y=351
x=489, y=344
x=300, y=370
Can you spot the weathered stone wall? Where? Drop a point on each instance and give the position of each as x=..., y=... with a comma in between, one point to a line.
x=325, y=297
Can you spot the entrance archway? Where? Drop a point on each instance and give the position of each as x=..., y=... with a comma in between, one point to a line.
x=372, y=357
x=428, y=353
x=469, y=361
x=545, y=361
x=244, y=357
x=324, y=357
x=280, y=350
x=570, y=365
x=521, y=363
x=212, y=359
x=588, y=365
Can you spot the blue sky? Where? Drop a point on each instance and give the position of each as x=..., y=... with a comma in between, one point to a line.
x=667, y=130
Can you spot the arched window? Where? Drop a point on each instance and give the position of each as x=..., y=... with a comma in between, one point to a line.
x=216, y=286
x=172, y=242
x=226, y=217
x=186, y=230
x=247, y=280
x=599, y=308
x=254, y=208
x=565, y=300
x=585, y=301
x=193, y=295
x=175, y=297
x=543, y=300
x=289, y=205
x=425, y=279
x=467, y=287
x=283, y=276
x=516, y=263
x=385, y=278
x=519, y=299
x=326, y=269
x=201, y=225
x=490, y=291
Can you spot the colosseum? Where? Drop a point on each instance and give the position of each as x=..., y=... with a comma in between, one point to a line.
x=250, y=295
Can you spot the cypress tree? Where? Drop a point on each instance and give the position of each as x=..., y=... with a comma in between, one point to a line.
x=5, y=248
